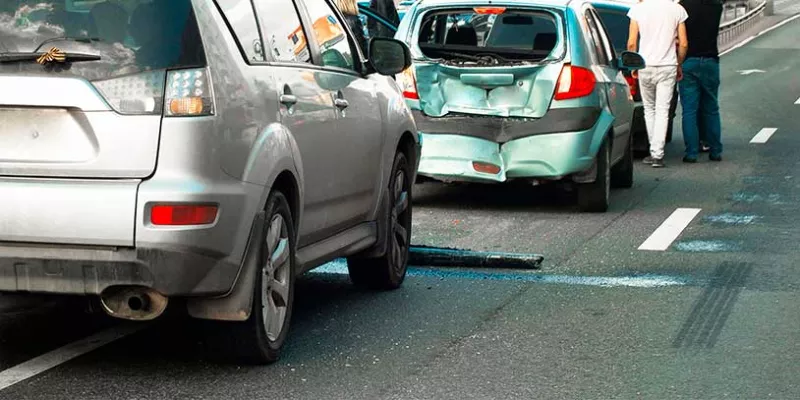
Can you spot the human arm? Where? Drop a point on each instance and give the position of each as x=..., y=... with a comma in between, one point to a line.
x=633, y=36
x=683, y=48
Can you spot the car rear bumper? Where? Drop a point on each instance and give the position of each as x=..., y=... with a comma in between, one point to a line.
x=502, y=129
x=450, y=157
x=91, y=270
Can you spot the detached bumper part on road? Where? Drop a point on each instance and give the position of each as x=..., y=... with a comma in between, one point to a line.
x=520, y=148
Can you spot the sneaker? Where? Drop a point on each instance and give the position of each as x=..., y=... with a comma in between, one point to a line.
x=648, y=160
x=689, y=160
x=715, y=158
x=658, y=163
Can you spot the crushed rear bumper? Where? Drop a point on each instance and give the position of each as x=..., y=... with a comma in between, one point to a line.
x=535, y=153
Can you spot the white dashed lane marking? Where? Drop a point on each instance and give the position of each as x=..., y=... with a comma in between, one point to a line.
x=37, y=365
x=763, y=135
x=670, y=229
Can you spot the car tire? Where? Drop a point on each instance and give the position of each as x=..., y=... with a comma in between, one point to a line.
x=388, y=271
x=594, y=196
x=260, y=338
x=622, y=173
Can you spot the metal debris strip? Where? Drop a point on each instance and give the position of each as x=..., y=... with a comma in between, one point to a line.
x=425, y=256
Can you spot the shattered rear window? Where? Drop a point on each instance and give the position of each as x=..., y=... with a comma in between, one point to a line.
x=489, y=35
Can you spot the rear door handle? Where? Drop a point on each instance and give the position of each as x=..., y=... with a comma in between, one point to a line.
x=341, y=103
x=288, y=99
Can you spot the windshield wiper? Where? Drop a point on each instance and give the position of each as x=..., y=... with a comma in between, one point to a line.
x=67, y=39
x=70, y=57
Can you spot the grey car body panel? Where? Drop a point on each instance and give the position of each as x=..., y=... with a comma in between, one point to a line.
x=72, y=133
x=501, y=130
x=338, y=163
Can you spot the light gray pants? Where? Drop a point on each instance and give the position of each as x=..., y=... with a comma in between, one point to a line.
x=657, y=85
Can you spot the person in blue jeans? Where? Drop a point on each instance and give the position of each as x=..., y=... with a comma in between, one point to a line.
x=699, y=89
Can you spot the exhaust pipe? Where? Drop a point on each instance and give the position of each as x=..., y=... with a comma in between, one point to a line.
x=133, y=303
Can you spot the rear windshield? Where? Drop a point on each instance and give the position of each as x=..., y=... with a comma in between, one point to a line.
x=499, y=36
x=129, y=36
x=617, y=25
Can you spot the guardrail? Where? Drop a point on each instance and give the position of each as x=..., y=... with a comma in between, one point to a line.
x=731, y=30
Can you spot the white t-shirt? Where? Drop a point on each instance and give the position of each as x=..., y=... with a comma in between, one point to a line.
x=658, y=26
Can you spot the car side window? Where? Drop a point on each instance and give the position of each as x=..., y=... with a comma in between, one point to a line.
x=608, y=46
x=602, y=57
x=242, y=19
x=283, y=33
x=335, y=45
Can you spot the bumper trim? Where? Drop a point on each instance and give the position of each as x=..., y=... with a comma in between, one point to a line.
x=503, y=129
x=90, y=270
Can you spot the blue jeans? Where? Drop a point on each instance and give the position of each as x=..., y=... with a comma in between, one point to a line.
x=699, y=91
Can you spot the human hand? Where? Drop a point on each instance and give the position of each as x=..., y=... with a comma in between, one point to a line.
x=680, y=73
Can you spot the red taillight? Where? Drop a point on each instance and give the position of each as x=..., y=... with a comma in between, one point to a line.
x=489, y=10
x=408, y=83
x=574, y=82
x=634, y=85
x=486, y=168
x=182, y=214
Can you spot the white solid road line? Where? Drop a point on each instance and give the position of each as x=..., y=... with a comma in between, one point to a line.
x=46, y=361
x=670, y=229
x=798, y=101
x=772, y=28
x=763, y=135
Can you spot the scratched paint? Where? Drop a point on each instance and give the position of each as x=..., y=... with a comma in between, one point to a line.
x=705, y=246
x=339, y=267
x=732, y=219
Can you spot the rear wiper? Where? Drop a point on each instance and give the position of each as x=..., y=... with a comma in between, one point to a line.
x=67, y=39
x=11, y=57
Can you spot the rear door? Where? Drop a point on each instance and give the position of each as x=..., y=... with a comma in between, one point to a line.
x=358, y=129
x=492, y=61
x=616, y=87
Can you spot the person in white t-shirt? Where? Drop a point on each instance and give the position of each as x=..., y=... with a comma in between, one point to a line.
x=654, y=26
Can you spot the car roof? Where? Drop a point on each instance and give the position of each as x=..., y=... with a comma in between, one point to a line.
x=622, y=5
x=547, y=3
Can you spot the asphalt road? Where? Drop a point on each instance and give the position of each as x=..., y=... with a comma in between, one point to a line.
x=713, y=316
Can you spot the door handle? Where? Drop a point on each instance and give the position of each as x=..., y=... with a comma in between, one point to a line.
x=288, y=99
x=341, y=103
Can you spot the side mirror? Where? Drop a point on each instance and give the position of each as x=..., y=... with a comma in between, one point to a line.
x=630, y=61
x=389, y=56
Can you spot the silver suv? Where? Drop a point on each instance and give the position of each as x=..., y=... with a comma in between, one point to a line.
x=207, y=151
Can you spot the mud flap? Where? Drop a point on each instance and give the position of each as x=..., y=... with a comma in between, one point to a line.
x=236, y=305
x=587, y=176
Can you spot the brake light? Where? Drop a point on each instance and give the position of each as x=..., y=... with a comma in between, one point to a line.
x=633, y=83
x=189, y=93
x=574, y=82
x=136, y=94
x=182, y=214
x=408, y=83
x=489, y=10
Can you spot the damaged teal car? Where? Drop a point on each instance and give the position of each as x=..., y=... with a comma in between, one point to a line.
x=520, y=90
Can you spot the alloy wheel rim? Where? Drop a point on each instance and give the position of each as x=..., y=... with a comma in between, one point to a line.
x=276, y=276
x=399, y=233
